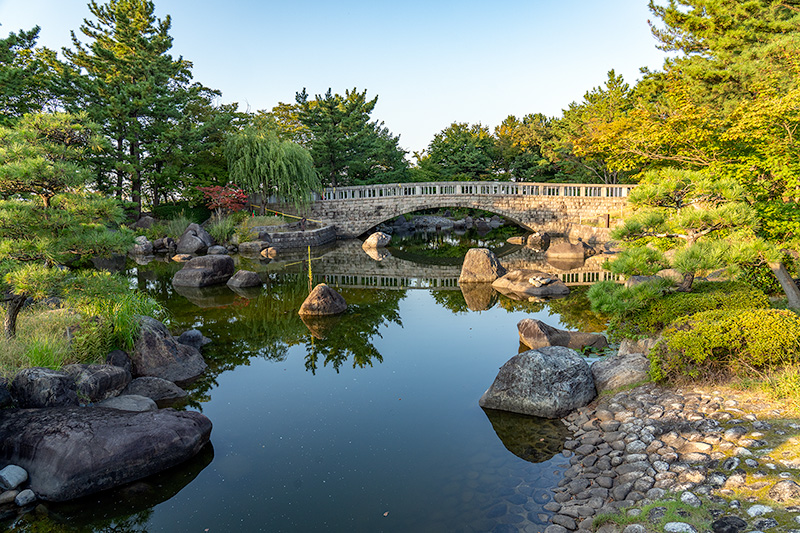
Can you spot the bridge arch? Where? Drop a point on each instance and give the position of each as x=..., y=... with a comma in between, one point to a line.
x=354, y=210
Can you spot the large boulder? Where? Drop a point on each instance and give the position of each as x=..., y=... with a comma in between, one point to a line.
x=95, y=383
x=245, y=278
x=531, y=283
x=378, y=239
x=548, y=382
x=71, y=452
x=129, y=402
x=204, y=271
x=620, y=370
x=323, y=300
x=156, y=353
x=43, y=387
x=157, y=389
x=142, y=246
x=195, y=240
x=5, y=394
x=480, y=266
x=536, y=334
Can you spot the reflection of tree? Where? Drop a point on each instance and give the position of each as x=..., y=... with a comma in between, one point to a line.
x=512, y=305
x=451, y=300
x=367, y=311
x=576, y=313
x=449, y=248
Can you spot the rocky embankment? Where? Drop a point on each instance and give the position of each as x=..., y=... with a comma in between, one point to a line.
x=726, y=457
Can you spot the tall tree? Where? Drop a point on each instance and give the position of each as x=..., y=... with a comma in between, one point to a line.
x=131, y=88
x=29, y=76
x=461, y=152
x=521, y=148
x=348, y=148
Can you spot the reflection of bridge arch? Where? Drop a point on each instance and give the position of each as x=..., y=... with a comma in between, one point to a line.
x=354, y=210
x=349, y=266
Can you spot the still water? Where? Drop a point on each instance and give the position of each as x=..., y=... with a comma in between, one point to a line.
x=364, y=422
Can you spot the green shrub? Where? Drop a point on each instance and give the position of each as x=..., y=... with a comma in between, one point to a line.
x=727, y=340
x=659, y=312
x=223, y=228
x=245, y=230
x=758, y=274
x=195, y=213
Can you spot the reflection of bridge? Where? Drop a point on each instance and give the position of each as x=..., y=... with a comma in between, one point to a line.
x=349, y=266
x=549, y=206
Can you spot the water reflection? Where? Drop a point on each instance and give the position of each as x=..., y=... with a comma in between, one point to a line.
x=530, y=438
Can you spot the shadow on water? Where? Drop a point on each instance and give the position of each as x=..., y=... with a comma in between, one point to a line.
x=533, y=439
x=126, y=508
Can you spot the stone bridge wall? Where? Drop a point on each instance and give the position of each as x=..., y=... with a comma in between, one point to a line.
x=536, y=206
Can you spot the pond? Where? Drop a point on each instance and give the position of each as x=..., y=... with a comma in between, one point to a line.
x=363, y=422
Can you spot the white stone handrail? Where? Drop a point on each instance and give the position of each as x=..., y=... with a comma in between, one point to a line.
x=472, y=188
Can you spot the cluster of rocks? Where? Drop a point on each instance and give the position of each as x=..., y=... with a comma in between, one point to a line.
x=639, y=446
x=482, y=266
x=88, y=428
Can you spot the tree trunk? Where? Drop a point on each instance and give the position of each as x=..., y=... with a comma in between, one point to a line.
x=15, y=303
x=686, y=284
x=118, y=170
x=136, y=177
x=787, y=283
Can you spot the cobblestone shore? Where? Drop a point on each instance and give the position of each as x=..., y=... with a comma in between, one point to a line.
x=727, y=455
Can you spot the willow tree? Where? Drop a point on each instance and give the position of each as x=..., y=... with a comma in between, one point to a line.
x=261, y=163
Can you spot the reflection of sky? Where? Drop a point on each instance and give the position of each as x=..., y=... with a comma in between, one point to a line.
x=302, y=452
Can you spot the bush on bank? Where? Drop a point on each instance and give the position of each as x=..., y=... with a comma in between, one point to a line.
x=727, y=340
x=647, y=308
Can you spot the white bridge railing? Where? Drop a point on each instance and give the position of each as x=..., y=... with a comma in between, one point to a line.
x=472, y=188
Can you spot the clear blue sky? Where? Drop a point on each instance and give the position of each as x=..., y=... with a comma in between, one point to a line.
x=430, y=62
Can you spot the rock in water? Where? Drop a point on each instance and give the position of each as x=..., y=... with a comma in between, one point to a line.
x=480, y=265
x=204, y=271
x=530, y=283
x=536, y=334
x=156, y=353
x=548, y=382
x=245, y=278
x=323, y=300
x=71, y=452
x=377, y=240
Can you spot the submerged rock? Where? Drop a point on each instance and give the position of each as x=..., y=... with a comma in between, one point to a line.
x=323, y=300
x=548, y=382
x=480, y=266
x=71, y=452
x=245, y=278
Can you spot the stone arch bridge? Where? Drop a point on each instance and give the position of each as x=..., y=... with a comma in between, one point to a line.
x=536, y=206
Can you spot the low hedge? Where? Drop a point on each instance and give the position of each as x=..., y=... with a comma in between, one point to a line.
x=705, y=296
x=727, y=340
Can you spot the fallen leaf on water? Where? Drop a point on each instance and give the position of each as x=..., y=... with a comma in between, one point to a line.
x=386, y=513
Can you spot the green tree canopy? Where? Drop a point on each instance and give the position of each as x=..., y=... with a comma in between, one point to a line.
x=460, y=152
x=259, y=162
x=347, y=147
x=45, y=154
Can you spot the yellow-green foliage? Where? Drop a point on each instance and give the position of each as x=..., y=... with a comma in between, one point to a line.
x=705, y=296
x=727, y=339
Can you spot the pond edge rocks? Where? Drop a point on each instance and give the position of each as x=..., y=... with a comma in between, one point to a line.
x=323, y=300
x=480, y=266
x=549, y=382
